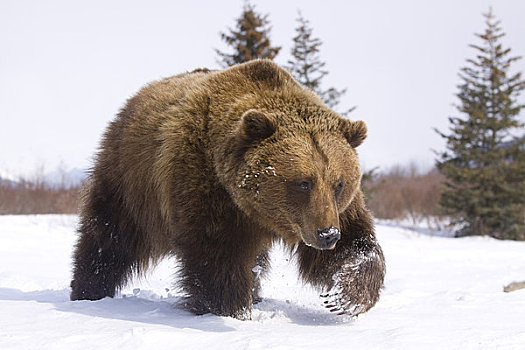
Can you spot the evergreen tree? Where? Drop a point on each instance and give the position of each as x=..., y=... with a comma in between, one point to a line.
x=484, y=163
x=250, y=40
x=307, y=67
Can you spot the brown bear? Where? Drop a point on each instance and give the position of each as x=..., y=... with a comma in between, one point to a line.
x=215, y=166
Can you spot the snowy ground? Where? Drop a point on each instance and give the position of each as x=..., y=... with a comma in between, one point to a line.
x=440, y=293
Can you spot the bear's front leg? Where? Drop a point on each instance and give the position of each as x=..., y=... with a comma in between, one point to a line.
x=219, y=270
x=357, y=281
x=352, y=274
x=219, y=286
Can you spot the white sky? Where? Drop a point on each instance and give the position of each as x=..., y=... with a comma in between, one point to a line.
x=66, y=67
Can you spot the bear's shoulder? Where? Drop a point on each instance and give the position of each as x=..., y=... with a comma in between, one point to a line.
x=262, y=71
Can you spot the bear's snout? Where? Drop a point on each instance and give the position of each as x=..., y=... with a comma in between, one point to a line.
x=328, y=237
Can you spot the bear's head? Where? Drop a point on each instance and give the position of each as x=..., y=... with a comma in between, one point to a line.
x=289, y=162
x=294, y=168
x=297, y=180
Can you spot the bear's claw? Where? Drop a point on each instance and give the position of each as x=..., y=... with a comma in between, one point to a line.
x=356, y=285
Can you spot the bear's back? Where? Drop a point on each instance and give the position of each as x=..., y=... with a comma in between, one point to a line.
x=156, y=132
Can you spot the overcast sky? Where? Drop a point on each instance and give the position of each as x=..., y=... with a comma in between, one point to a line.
x=66, y=67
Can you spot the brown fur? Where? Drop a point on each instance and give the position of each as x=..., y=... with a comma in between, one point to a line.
x=213, y=166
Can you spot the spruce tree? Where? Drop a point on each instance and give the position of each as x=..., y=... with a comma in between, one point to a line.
x=250, y=39
x=306, y=65
x=484, y=163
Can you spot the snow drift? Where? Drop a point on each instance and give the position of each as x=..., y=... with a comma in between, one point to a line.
x=439, y=293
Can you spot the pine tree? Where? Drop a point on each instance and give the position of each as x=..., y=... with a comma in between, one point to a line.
x=485, y=159
x=250, y=40
x=306, y=65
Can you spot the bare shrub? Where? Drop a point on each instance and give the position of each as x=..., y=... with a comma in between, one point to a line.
x=36, y=197
x=404, y=192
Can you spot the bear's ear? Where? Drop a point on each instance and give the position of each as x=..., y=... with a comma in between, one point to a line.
x=355, y=132
x=256, y=126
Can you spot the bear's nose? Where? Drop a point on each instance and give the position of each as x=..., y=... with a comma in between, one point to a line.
x=328, y=237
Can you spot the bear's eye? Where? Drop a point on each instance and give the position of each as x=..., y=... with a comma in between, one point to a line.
x=339, y=189
x=305, y=186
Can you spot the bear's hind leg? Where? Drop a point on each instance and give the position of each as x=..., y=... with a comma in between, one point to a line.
x=106, y=251
x=100, y=266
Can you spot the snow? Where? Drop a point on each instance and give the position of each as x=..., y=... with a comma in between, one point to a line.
x=440, y=293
